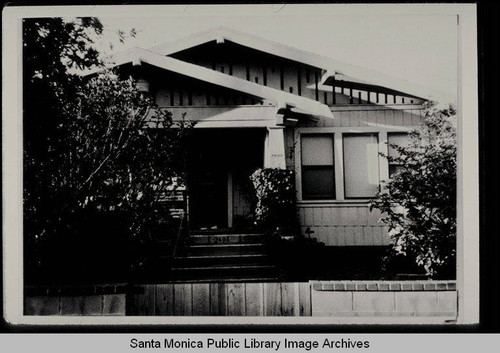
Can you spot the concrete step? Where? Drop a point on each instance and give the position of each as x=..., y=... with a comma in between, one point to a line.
x=226, y=249
x=225, y=238
x=164, y=247
x=224, y=267
x=213, y=260
x=222, y=272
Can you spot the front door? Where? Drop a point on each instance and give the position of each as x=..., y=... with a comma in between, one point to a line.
x=207, y=184
x=208, y=199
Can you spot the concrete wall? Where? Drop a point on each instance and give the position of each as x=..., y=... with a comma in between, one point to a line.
x=382, y=299
x=87, y=301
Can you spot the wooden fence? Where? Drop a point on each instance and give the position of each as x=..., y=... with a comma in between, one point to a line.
x=221, y=299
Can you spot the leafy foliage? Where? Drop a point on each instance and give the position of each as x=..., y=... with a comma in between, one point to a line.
x=419, y=201
x=276, y=200
x=96, y=151
x=51, y=47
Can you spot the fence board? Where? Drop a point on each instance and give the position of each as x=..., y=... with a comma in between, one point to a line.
x=183, y=300
x=272, y=299
x=131, y=304
x=146, y=300
x=113, y=304
x=201, y=299
x=218, y=299
x=41, y=305
x=304, y=299
x=287, y=299
x=254, y=305
x=235, y=299
x=164, y=305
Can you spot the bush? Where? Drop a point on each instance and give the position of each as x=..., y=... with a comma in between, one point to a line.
x=276, y=201
x=419, y=201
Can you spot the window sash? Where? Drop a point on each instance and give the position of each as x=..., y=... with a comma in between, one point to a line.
x=317, y=167
x=400, y=139
x=318, y=183
x=361, y=165
x=317, y=150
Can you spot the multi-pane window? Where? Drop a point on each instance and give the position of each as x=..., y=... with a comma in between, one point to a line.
x=361, y=165
x=399, y=139
x=318, y=176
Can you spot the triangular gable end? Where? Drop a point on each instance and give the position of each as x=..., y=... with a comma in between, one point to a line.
x=373, y=81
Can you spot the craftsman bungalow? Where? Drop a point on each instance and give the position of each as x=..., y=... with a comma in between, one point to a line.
x=259, y=103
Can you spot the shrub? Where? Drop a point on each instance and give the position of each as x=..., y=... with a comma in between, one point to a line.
x=419, y=201
x=276, y=201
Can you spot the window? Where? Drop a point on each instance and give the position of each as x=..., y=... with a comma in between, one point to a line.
x=361, y=169
x=318, y=178
x=400, y=139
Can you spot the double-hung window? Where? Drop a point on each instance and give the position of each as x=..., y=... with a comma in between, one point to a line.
x=361, y=165
x=399, y=139
x=318, y=175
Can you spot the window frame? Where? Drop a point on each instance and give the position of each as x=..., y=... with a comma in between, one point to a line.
x=389, y=164
x=351, y=134
x=332, y=135
x=336, y=132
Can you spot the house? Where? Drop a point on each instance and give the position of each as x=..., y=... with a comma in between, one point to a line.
x=259, y=103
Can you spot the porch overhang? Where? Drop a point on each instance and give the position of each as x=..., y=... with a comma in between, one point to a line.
x=223, y=116
x=233, y=116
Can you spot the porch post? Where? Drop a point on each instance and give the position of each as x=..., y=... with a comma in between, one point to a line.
x=274, y=149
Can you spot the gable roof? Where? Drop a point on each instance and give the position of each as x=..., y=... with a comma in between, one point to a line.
x=282, y=99
x=244, y=39
x=372, y=79
x=363, y=79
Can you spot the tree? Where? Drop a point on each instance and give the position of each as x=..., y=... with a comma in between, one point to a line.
x=51, y=47
x=97, y=153
x=419, y=201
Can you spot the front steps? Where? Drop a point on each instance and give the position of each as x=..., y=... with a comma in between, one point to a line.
x=210, y=257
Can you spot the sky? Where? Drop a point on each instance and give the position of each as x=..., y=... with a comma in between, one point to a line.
x=421, y=48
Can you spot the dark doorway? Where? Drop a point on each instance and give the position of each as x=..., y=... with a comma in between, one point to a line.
x=219, y=159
